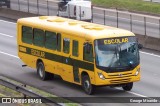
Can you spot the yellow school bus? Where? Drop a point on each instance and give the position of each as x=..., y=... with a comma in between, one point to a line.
x=82, y=53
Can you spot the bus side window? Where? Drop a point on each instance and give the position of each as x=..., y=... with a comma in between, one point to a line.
x=38, y=37
x=51, y=40
x=58, y=42
x=88, y=52
x=27, y=34
x=66, y=45
x=75, y=48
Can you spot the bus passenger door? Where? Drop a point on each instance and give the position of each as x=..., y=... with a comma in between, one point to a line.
x=67, y=61
x=75, y=62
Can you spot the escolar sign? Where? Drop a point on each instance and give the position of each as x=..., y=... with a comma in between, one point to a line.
x=38, y=53
x=115, y=41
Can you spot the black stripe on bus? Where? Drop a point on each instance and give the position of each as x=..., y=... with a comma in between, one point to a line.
x=58, y=58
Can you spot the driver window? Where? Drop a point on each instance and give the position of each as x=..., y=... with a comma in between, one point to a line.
x=88, y=52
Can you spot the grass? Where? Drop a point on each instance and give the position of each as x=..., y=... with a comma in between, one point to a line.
x=130, y=5
x=7, y=92
x=58, y=99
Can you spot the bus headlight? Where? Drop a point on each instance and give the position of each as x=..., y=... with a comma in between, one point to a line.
x=137, y=72
x=101, y=76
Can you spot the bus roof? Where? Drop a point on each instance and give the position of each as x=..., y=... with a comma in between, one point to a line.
x=89, y=31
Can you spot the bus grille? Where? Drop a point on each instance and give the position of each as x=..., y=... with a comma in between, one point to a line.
x=119, y=78
x=120, y=81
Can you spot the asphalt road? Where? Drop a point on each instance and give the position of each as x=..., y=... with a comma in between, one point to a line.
x=10, y=64
x=137, y=25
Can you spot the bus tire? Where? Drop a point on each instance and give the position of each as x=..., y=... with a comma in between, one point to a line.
x=87, y=86
x=128, y=86
x=42, y=73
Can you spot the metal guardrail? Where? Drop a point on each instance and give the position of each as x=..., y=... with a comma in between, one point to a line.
x=26, y=92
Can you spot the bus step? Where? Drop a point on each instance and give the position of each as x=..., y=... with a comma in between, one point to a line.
x=24, y=65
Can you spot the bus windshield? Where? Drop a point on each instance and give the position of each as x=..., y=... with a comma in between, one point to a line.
x=117, y=54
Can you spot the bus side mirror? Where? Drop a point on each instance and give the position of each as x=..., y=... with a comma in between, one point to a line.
x=140, y=46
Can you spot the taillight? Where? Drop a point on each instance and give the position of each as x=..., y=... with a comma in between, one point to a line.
x=75, y=10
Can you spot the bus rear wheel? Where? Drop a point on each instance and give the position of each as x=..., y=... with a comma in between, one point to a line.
x=128, y=86
x=42, y=73
x=87, y=86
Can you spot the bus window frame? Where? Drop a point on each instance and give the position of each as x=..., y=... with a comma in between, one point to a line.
x=59, y=45
x=67, y=38
x=34, y=37
x=92, y=51
x=77, y=54
x=22, y=36
x=56, y=40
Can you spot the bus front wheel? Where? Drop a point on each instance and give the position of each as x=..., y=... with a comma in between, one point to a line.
x=42, y=73
x=87, y=86
x=128, y=86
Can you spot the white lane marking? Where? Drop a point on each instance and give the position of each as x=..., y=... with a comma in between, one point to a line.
x=6, y=35
x=9, y=54
x=140, y=95
x=133, y=93
x=7, y=22
x=150, y=54
x=136, y=94
x=140, y=51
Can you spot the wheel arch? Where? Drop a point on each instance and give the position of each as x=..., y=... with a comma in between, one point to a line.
x=84, y=73
x=39, y=60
